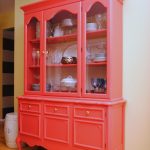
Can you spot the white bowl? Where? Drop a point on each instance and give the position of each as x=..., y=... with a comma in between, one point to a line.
x=99, y=59
x=69, y=82
x=91, y=26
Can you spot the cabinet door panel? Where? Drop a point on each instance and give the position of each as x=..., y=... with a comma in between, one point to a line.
x=56, y=129
x=95, y=49
x=30, y=124
x=33, y=32
x=89, y=134
x=62, y=50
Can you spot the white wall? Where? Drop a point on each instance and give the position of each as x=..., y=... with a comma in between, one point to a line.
x=136, y=73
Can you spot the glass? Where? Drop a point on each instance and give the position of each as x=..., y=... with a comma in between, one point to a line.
x=33, y=56
x=37, y=29
x=96, y=50
x=101, y=20
x=61, y=43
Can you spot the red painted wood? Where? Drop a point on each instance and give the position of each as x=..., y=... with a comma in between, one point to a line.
x=69, y=38
x=36, y=41
x=96, y=34
x=62, y=65
x=115, y=49
x=89, y=113
x=46, y=4
x=56, y=129
x=97, y=63
x=95, y=134
x=30, y=124
x=55, y=109
x=94, y=126
x=82, y=119
x=115, y=126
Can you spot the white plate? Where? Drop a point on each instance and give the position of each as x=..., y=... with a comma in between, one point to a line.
x=100, y=59
x=71, y=51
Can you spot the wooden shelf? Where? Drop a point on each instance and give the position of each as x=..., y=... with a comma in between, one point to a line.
x=65, y=38
x=35, y=41
x=61, y=65
x=96, y=34
x=72, y=37
x=34, y=67
x=97, y=63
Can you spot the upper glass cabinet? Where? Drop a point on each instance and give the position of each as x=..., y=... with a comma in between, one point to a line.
x=62, y=50
x=95, y=49
x=32, y=52
x=74, y=48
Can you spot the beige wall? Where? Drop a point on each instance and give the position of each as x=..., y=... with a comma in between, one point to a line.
x=136, y=69
x=4, y=24
x=19, y=49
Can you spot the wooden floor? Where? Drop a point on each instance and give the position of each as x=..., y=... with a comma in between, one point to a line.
x=2, y=141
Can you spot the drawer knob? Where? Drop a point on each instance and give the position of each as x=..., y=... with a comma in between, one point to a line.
x=29, y=106
x=55, y=109
x=87, y=113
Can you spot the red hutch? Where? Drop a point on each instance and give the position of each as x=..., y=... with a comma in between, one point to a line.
x=73, y=75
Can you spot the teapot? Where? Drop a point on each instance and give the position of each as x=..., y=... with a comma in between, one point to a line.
x=58, y=31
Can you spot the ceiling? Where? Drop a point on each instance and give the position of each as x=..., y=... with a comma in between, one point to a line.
x=6, y=5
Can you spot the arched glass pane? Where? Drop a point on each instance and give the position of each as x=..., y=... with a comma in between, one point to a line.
x=96, y=49
x=33, y=55
x=61, y=55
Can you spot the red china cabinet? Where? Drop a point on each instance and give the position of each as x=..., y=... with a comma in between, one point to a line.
x=73, y=76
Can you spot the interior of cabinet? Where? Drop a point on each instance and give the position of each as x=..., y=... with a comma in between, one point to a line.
x=33, y=53
x=61, y=45
x=96, y=49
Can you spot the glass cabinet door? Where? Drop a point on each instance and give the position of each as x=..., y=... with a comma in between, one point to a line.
x=32, y=52
x=62, y=50
x=95, y=48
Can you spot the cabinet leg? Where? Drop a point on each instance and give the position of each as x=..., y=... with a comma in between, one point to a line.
x=18, y=141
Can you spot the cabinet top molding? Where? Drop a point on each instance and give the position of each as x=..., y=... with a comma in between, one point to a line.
x=41, y=5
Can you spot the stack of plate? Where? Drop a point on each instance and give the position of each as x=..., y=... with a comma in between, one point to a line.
x=100, y=57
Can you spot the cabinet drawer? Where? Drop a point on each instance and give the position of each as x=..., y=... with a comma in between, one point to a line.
x=56, y=109
x=90, y=113
x=30, y=107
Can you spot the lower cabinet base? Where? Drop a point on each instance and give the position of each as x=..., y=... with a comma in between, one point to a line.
x=58, y=146
x=56, y=125
x=47, y=146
